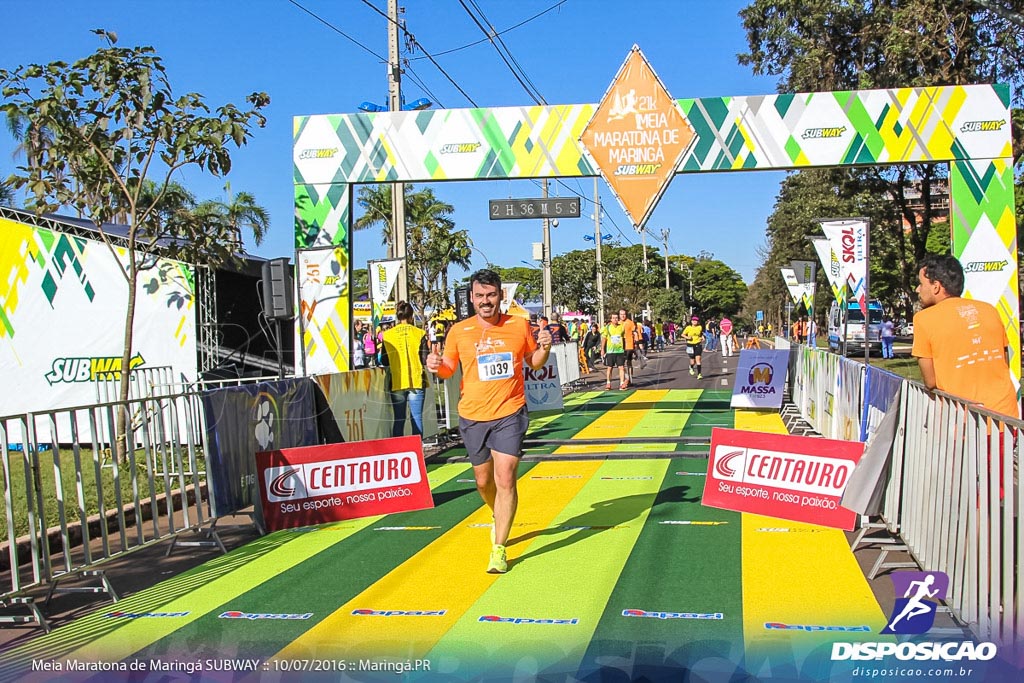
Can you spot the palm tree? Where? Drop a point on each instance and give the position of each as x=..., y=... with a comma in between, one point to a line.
x=377, y=210
x=6, y=194
x=242, y=211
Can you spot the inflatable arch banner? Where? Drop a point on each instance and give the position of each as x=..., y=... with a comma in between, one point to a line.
x=967, y=127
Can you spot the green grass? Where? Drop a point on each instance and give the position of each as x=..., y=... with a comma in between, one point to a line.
x=904, y=367
x=17, y=486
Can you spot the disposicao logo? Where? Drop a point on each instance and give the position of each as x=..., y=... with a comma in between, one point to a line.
x=525, y=620
x=398, y=613
x=253, y=616
x=143, y=615
x=672, y=615
x=915, y=611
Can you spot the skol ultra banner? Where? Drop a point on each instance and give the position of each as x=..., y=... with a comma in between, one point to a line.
x=320, y=484
x=849, y=241
x=790, y=477
x=62, y=310
x=760, y=378
x=543, y=387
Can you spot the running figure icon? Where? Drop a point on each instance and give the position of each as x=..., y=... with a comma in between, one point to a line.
x=915, y=611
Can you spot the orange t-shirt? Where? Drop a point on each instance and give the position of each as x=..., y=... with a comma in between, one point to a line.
x=965, y=339
x=492, y=365
x=630, y=334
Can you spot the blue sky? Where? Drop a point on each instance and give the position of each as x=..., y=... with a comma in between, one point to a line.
x=225, y=50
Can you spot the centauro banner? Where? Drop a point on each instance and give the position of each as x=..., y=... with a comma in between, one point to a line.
x=62, y=308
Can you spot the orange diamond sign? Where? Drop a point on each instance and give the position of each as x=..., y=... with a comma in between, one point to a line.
x=637, y=137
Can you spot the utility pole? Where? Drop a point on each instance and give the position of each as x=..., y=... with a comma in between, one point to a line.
x=643, y=240
x=664, y=240
x=546, y=262
x=397, y=189
x=597, y=241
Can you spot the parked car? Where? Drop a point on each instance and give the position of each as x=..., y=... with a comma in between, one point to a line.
x=907, y=330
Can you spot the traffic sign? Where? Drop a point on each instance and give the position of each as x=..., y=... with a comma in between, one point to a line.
x=550, y=207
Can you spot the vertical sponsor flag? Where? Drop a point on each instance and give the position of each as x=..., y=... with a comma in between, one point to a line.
x=508, y=294
x=806, y=275
x=849, y=241
x=383, y=275
x=830, y=263
x=791, y=284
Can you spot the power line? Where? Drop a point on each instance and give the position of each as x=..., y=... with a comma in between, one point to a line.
x=531, y=91
x=337, y=30
x=416, y=43
x=502, y=32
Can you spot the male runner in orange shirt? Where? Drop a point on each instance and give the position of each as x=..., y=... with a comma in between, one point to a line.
x=492, y=348
x=630, y=339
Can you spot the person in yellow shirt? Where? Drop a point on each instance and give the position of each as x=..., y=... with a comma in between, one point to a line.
x=406, y=349
x=492, y=348
x=693, y=334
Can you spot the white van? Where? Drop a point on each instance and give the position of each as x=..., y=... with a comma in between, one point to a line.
x=854, y=327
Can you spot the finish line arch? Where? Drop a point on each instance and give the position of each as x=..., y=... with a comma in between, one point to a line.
x=967, y=127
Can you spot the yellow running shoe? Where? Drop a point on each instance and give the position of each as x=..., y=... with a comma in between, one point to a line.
x=498, y=564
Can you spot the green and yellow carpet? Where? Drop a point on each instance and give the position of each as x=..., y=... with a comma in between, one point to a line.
x=617, y=572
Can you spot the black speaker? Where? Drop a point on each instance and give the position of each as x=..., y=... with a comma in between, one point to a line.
x=463, y=303
x=278, y=301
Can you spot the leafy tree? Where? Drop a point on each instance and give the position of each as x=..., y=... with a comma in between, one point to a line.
x=531, y=284
x=717, y=289
x=574, y=280
x=844, y=45
x=241, y=210
x=6, y=194
x=110, y=121
x=668, y=304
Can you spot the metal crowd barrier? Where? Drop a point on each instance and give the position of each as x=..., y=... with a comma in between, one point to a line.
x=953, y=497
x=73, y=498
x=952, y=493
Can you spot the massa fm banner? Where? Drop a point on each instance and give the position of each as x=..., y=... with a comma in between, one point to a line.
x=62, y=309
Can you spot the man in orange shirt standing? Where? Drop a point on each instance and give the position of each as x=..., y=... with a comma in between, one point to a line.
x=960, y=344
x=492, y=348
x=630, y=339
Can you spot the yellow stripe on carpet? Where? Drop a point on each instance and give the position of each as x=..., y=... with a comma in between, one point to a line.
x=615, y=423
x=806, y=577
x=447, y=575
x=568, y=572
